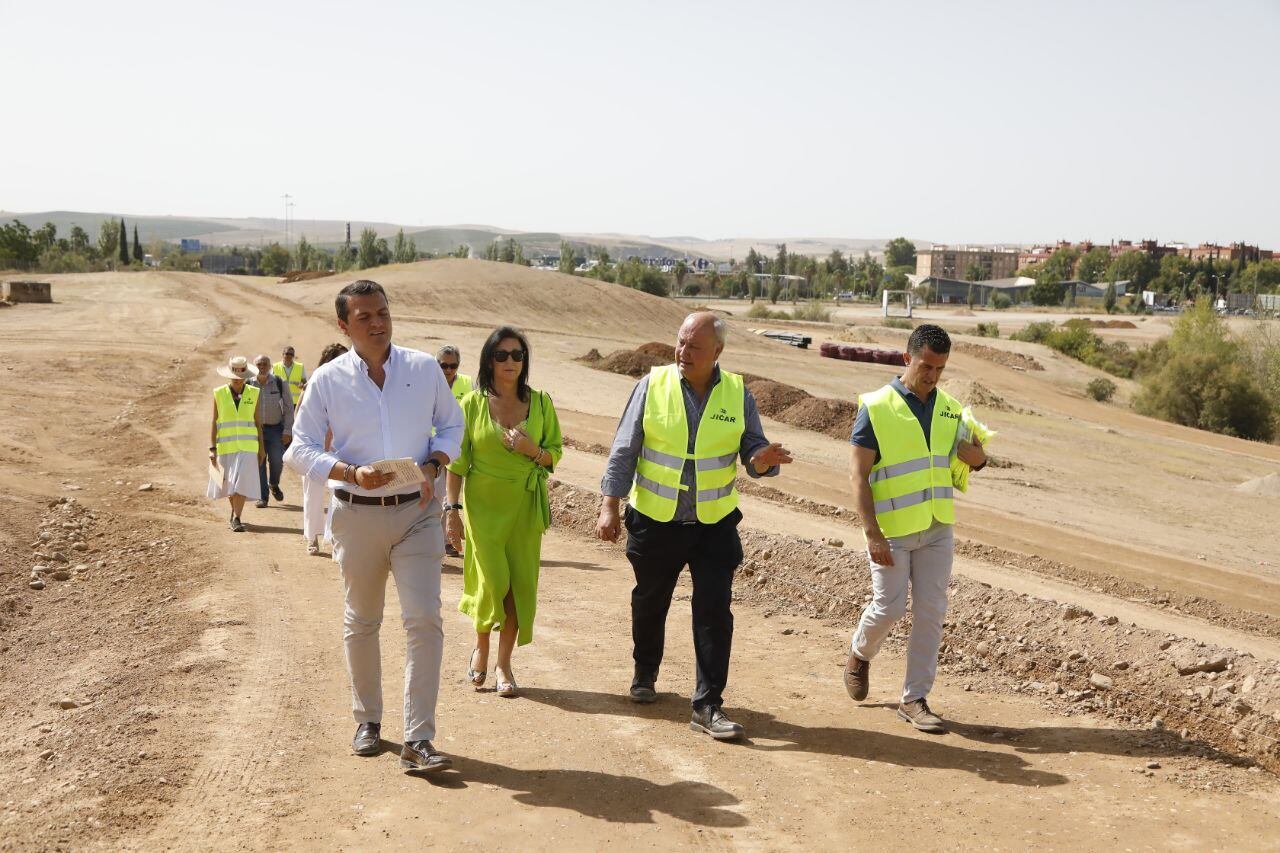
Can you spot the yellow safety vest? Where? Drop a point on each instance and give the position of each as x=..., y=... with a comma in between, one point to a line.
x=911, y=484
x=666, y=447
x=292, y=375
x=237, y=432
x=461, y=386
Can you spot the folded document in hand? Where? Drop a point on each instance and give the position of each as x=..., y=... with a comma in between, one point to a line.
x=406, y=472
x=971, y=429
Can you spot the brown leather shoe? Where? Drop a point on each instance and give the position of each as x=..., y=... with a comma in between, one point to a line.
x=857, y=677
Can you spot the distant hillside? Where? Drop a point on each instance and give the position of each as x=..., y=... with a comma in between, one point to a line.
x=150, y=228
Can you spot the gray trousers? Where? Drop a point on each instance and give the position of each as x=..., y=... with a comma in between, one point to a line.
x=923, y=560
x=406, y=541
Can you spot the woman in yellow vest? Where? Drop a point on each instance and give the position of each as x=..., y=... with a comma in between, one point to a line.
x=235, y=440
x=903, y=445
x=512, y=440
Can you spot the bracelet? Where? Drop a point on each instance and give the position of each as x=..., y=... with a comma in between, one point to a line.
x=435, y=462
x=346, y=474
x=448, y=507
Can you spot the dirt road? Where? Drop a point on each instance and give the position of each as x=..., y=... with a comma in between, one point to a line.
x=212, y=699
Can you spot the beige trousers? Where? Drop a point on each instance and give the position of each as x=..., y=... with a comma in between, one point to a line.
x=370, y=542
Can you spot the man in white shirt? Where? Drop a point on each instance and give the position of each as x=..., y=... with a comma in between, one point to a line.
x=383, y=402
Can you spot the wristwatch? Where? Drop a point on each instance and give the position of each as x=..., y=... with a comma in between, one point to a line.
x=435, y=462
x=448, y=507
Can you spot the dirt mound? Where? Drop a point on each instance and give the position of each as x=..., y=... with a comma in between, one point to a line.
x=1106, y=324
x=830, y=417
x=629, y=362
x=302, y=275
x=774, y=398
x=666, y=352
x=1268, y=486
x=976, y=394
x=1016, y=360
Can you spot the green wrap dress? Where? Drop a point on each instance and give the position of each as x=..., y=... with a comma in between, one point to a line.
x=505, y=512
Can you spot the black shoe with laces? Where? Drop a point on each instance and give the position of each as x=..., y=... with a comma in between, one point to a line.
x=712, y=721
x=642, y=689
x=368, y=739
x=277, y=493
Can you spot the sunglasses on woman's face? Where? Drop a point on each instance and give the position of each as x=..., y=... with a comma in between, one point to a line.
x=516, y=355
x=446, y=366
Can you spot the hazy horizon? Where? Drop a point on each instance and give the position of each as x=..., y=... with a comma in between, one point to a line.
x=992, y=122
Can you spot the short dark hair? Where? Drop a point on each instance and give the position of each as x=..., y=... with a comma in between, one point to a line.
x=331, y=352
x=931, y=336
x=484, y=376
x=363, y=287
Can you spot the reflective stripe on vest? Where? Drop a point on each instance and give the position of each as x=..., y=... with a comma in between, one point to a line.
x=237, y=432
x=666, y=442
x=292, y=375
x=461, y=386
x=911, y=484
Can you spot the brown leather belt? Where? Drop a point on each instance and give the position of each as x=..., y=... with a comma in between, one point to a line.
x=365, y=500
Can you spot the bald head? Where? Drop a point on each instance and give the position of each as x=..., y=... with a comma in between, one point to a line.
x=698, y=346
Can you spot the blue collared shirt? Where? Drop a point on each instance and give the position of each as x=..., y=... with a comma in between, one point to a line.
x=620, y=470
x=371, y=423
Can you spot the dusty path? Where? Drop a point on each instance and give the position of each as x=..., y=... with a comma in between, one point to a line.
x=253, y=729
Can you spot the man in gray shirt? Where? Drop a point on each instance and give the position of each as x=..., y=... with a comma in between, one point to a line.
x=275, y=407
x=694, y=523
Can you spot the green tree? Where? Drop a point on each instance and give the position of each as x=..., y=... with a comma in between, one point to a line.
x=137, y=245
x=304, y=254
x=1136, y=267
x=775, y=287
x=275, y=260
x=382, y=251
x=753, y=262
x=637, y=274
x=108, y=238
x=713, y=282
x=507, y=253
x=463, y=251
x=568, y=261
x=79, y=240
x=45, y=237
x=123, y=244
x=17, y=249
x=1262, y=277
x=682, y=270
x=400, y=254
x=368, y=253
x=753, y=287
x=1205, y=381
x=780, y=262
x=900, y=252
x=1109, y=297
x=411, y=253
x=1092, y=266
x=975, y=272
x=973, y=295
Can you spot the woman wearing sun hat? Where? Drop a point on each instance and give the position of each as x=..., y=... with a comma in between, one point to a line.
x=235, y=440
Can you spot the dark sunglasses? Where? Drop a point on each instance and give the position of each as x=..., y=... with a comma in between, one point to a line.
x=517, y=355
x=444, y=366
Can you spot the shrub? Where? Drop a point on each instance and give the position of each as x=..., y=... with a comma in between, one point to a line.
x=999, y=301
x=1208, y=381
x=1074, y=339
x=898, y=323
x=1101, y=389
x=760, y=311
x=690, y=289
x=814, y=311
x=987, y=330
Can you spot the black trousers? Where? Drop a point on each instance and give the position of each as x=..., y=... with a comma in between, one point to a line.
x=658, y=552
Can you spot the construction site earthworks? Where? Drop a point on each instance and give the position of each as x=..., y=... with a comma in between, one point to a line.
x=1110, y=668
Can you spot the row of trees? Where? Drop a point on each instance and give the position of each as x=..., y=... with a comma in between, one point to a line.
x=43, y=250
x=1175, y=275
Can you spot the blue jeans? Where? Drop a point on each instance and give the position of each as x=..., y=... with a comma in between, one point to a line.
x=273, y=439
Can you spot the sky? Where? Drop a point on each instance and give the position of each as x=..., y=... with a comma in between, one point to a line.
x=995, y=122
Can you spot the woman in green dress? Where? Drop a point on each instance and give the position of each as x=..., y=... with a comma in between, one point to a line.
x=512, y=441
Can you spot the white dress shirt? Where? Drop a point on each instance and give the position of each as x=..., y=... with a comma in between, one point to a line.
x=413, y=415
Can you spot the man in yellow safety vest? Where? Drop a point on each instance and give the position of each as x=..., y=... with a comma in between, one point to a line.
x=900, y=464
x=292, y=372
x=676, y=454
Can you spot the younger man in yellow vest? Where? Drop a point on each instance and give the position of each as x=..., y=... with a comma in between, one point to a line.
x=292, y=372
x=676, y=451
x=900, y=463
